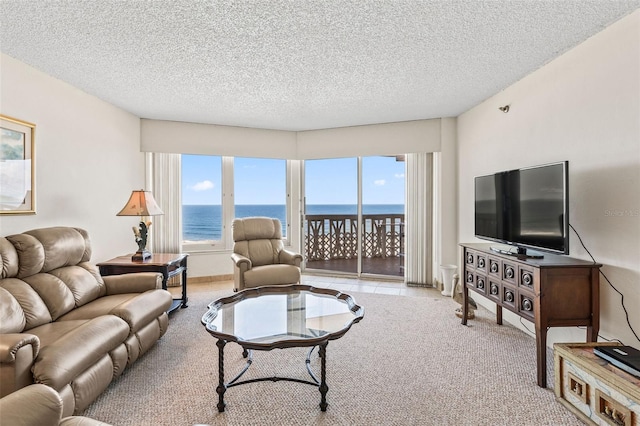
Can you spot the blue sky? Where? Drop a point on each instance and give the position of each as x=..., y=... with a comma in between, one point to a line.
x=262, y=181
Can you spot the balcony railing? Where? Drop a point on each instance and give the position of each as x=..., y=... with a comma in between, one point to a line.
x=335, y=237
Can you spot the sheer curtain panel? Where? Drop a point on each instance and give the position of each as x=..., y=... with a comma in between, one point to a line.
x=418, y=226
x=167, y=229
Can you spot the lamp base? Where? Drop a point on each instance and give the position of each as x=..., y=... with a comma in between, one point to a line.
x=141, y=255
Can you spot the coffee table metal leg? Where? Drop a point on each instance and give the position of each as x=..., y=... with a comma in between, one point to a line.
x=323, y=376
x=221, y=386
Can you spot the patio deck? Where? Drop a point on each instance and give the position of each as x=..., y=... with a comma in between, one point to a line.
x=332, y=243
x=391, y=266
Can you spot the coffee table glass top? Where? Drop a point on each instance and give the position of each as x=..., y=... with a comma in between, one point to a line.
x=282, y=316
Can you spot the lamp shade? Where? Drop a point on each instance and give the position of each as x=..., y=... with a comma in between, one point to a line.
x=141, y=203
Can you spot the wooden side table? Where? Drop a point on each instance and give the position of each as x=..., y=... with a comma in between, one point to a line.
x=168, y=264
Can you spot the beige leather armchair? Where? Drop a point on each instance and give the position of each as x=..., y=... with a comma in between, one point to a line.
x=38, y=405
x=259, y=256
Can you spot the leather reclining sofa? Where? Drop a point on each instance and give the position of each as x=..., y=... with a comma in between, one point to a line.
x=64, y=325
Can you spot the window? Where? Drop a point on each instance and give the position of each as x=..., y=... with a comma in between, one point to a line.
x=216, y=189
x=201, y=198
x=260, y=188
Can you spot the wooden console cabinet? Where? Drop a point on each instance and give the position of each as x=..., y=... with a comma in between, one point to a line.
x=555, y=291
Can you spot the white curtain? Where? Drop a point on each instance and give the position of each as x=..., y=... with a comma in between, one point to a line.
x=418, y=217
x=166, y=231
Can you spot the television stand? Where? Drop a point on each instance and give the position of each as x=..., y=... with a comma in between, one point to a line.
x=556, y=291
x=520, y=253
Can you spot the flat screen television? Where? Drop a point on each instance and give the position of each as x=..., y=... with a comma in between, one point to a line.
x=526, y=208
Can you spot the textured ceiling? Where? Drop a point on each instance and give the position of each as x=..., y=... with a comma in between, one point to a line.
x=298, y=64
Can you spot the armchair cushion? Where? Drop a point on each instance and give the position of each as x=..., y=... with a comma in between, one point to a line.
x=272, y=274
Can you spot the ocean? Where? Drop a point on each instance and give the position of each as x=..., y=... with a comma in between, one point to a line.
x=204, y=222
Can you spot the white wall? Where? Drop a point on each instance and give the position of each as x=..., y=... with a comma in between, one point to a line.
x=583, y=107
x=210, y=139
x=88, y=158
x=375, y=139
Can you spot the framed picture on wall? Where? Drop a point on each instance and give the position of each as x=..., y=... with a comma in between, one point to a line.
x=17, y=167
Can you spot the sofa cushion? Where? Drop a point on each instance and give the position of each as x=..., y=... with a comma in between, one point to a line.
x=12, y=319
x=35, y=310
x=46, y=249
x=73, y=352
x=49, y=333
x=137, y=309
x=62, y=246
x=8, y=259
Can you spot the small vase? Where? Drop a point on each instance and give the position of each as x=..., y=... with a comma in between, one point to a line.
x=447, y=278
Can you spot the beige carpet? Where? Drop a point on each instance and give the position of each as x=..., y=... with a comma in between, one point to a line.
x=408, y=362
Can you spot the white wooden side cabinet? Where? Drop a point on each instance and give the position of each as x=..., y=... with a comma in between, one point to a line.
x=595, y=390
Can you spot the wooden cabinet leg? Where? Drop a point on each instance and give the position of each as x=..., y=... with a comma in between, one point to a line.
x=465, y=302
x=541, y=348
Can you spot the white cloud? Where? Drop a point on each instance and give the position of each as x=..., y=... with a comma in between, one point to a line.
x=399, y=176
x=379, y=182
x=205, y=185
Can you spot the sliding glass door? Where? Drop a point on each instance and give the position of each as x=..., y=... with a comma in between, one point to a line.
x=383, y=215
x=354, y=215
x=331, y=214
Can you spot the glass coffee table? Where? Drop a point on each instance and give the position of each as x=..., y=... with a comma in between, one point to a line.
x=276, y=317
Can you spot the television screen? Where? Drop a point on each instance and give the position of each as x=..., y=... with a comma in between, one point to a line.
x=526, y=207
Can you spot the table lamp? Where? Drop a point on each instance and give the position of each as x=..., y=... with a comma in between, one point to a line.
x=141, y=203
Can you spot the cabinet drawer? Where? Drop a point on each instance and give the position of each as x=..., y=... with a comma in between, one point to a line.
x=481, y=263
x=481, y=284
x=493, y=289
x=509, y=272
x=494, y=267
x=526, y=305
x=525, y=277
x=508, y=297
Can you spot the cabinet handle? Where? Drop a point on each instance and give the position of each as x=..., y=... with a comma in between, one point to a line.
x=508, y=272
x=494, y=267
x=508, y=296
x=527, y=305
x=470, y=259
x=481, y=262
x=494, y=289
x=527, y=279
x=481, y=284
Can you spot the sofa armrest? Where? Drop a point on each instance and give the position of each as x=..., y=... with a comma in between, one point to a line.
x=10, y=344
x=18, y=352
x=38, y=405
x=291, y=258
x=81, y=421
x=242, y=262
x=31, y=405
x=138, y=282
